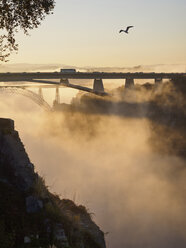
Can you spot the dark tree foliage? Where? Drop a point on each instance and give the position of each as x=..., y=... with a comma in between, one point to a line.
x=20, y=14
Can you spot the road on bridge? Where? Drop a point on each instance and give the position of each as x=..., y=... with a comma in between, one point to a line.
x=10, y=77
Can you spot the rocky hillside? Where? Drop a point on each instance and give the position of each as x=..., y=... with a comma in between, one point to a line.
x=30, y=216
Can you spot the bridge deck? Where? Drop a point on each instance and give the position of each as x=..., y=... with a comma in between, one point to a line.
x=10, y=77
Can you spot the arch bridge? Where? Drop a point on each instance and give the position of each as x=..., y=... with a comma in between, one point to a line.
x=44, y=79
x=98, y=87
x=23, y=91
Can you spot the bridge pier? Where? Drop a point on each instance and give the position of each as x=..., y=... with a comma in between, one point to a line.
x=129, y=82
x=57, y=97
x=64, y=81
x=98, y=85
x=158, y=81
x=40, y=93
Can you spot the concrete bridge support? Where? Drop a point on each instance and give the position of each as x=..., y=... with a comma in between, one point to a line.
x=57, y=98
x=40, y=93
x=129, y=82
x=98, y=85
x=158, y=81
x=64, y=81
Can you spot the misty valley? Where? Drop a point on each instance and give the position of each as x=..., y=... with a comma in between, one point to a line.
x=121, y=156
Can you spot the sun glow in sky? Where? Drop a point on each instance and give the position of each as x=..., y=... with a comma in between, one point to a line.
x=86, y=33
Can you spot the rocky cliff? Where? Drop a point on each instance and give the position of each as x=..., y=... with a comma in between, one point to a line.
x=30, y=216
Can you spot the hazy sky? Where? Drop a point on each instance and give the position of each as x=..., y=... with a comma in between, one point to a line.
x=85, y=32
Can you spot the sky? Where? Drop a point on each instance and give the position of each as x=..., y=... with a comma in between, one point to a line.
x=86, y=33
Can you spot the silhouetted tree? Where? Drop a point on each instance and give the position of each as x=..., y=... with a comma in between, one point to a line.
x=20, y=14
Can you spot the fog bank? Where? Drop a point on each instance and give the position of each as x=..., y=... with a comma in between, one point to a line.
x=106, y=163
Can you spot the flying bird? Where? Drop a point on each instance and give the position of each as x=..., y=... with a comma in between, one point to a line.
x=126, y=30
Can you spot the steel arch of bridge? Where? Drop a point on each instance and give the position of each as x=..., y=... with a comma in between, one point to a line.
x=29, y=94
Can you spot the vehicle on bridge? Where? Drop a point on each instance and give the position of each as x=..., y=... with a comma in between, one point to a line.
x=68, y=70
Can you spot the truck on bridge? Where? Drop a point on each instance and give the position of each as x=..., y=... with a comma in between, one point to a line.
x=68, y=70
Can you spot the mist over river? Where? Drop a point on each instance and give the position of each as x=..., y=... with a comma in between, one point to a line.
x=106, y=162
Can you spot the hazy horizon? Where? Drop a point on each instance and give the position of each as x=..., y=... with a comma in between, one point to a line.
x=87, y=33
x=21, y=67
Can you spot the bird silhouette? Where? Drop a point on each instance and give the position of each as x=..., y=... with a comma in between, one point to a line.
x=126, y=30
